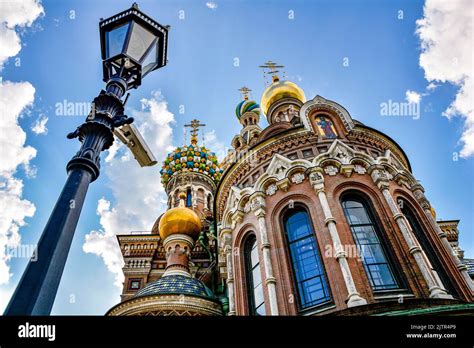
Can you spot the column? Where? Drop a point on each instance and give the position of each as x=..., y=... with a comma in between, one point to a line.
x=418, y=191
x=270, y=281
x=226, y=237
x=353, y=298
x=380, y=177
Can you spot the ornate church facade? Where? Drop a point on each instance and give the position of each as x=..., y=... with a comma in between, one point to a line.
x=316, y=214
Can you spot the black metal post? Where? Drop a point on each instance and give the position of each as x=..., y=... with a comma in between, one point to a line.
x=39, y=284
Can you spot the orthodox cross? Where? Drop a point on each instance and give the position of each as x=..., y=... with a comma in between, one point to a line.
x=194, y=125
x=245, y=92
x=272, y=68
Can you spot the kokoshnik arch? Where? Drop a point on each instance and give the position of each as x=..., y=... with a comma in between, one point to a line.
x=316, y=214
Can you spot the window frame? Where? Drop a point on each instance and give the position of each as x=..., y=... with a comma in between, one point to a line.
x=419, y=231
x=284, y=216
x=380, y=233
x=249, y=244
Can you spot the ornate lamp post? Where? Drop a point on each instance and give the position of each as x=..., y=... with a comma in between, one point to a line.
x=132, y=46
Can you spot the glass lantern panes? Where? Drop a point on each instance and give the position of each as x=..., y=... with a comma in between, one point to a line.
x=139, y=42
x=116, y=39
x=149, y=62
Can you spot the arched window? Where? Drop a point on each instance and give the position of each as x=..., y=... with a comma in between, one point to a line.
x=367, y=237
x=254, y=279
x=425, y=244
x=307, y=264
x=209, y=201
x=189, y=198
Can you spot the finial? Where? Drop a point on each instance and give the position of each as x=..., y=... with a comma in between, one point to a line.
x=182, y=197
x=194, y=125
x=245, y=92
x=135, y=6
x=272, y=70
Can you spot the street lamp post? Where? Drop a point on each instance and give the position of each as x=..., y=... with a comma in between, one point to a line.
x=132, y=46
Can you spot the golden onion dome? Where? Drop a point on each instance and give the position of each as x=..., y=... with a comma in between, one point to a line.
x=180, y=220
x=279, y=90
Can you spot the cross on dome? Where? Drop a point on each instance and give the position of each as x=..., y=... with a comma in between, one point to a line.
x=194, y=125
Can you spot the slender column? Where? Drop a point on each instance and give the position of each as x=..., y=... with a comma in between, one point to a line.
x=418, y=191
x=270, y=281
x=353, y=297
x=380, y=177
x=226, y=237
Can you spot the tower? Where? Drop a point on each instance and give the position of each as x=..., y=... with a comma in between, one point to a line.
x=248, y=114
x=171, y=270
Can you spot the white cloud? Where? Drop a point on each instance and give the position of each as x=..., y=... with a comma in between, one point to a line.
x=214, y=144
x=446, y=35
x=212, y=5
x=431, y=86
x=39, y=127
x=13, y=15
x=15, y=99
x=412, y=97
x=139, y=197
x=5, y=294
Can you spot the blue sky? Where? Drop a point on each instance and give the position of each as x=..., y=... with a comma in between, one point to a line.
x=60, y=57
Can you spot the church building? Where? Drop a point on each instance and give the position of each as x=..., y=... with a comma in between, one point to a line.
x=315, y=214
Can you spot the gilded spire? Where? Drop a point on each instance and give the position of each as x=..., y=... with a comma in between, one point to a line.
x=271, y=68
x=194, y=125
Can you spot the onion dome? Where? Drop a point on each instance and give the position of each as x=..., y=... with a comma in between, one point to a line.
x=176, y=285
x=191, y=158
x=279, y=90
x=247, y=106
x=180, y=220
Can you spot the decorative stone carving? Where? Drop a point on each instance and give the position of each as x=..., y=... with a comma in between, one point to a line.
x=297, y=178
x=257, y=203
x=331, y=170
x=342, y=155
x=247, y=207
x=315, y=177
x=359, y=169
x=271, y=190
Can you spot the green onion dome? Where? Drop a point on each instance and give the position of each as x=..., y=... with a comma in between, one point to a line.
x=191, y=158
x=247, y=106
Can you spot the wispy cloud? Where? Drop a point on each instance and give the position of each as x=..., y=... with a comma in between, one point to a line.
x=39, y=126
x=412, y=97
x=212, y=5
x=446, y=35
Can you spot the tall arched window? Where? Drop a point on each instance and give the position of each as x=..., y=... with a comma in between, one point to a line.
x=367, y=237
x=254, y=278
x=189, y=198
x=425, y=244
x=307, y=264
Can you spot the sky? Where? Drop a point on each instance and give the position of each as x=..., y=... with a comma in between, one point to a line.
x=360, y=54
